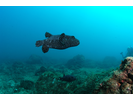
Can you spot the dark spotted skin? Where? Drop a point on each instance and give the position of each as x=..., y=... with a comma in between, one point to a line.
x=57, y=42
x=67, y=41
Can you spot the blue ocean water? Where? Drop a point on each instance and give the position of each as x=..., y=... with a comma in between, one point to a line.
x=102, y=30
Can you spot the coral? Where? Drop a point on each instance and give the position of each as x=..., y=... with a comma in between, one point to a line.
x=121, y=81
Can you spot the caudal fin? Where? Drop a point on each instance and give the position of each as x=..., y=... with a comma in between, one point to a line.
x=39, y=43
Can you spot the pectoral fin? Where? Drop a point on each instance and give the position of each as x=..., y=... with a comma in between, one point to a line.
x=45, y=48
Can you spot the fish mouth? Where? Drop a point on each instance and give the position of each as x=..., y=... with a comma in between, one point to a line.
x=78, y=42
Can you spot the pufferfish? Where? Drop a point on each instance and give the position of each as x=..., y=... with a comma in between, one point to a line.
x=57, y=42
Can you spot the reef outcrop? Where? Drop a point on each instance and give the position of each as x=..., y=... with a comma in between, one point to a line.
x=121, y=80
x=34, y=59
x=76, y=62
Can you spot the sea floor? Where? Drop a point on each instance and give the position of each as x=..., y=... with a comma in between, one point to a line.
x=37, y=75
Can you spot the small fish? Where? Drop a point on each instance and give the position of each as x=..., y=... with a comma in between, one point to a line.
x=57, y=42
x=68, y=78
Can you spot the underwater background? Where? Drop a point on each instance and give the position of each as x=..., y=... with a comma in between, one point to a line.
x=103, y=31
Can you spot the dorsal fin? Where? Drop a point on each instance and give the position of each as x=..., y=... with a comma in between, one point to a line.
x=62, y=35
x=47, y=34
x=61, y=38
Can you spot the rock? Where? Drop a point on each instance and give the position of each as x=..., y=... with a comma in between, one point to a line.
x=2, y=66
x=40, y=71
x=121, y=81
x=76, y=62
x=11, y=83
x=17, y=68
x=34, y=59
x=49, y=83
x=26, y=84
x=17, y=65
x=92, y=82
x=80, y=75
